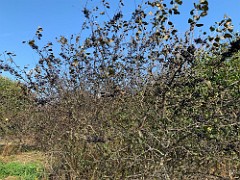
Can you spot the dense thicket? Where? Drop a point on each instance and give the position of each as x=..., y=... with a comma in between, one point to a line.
x=13, y=102
x=136, y=100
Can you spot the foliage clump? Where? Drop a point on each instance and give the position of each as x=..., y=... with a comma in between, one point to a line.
x=12, y=102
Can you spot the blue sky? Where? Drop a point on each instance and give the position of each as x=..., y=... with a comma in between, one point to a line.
x=19, y=21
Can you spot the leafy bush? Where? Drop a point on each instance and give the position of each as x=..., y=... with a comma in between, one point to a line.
x=10, y=101
x=10, y=95
x=146, y=104
x=14, y=103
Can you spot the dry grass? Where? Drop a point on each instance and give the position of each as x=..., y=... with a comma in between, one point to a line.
x=25, y=157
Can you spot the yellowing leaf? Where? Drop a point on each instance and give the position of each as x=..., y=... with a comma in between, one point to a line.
x=75, y=62
x=209, y=129
x=63, y=40
x=31, y=43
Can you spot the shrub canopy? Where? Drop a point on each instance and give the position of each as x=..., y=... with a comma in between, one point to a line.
x=134, y=99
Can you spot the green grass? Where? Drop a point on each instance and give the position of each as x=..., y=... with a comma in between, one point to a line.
x=29, y=171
